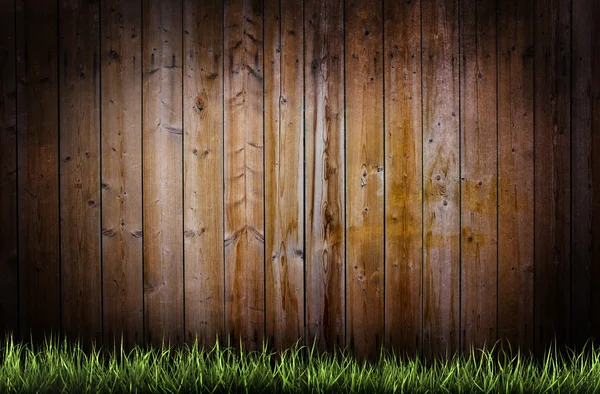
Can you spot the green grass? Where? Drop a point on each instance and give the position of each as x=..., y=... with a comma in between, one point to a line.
x=55, y=367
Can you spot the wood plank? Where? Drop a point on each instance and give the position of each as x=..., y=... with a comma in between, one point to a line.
x=404, y=178
x=364, y=178
x=79, y=73
x=552, y=172
x=440, y=177
x=244, y=186
x=38, y=180
x=122, y=249
x=585, y=171
x=284, y=172
x=203, y=171
x=9, y=289
x=515, y=174
x=325, y=173
x=162, y=171
x=478, y=174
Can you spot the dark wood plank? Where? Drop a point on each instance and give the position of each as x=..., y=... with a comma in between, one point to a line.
x=37, y=126
x=122, y=249
x=478, y=174
x=284, y=172
x=404, y=177
x=9, y=289
x=79, y=73
x=244, y=189
x=515, y=174
x=585, y=171
x=162, y=171
x=441, y=162
x=325, y=173
x=203, y=171
x=364, y=177
x=552, y=172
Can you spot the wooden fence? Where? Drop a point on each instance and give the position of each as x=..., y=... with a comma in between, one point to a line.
x=422, y=175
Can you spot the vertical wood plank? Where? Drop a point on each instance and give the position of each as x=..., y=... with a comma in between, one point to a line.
x=515, y=174
x=162, y=171
x=478, y=174
x=364, y=177
x=552, y=172
x=585, y=171
x=441, y=204
x=122, y=249
x=404, y=177
x=9, y=290
x=79, y=73
x=244, y=185
x=203, y=166
x=325, y=173
x=284, y=172
x=37, y=127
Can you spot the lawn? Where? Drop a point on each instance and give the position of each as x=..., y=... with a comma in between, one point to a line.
x=57, y=366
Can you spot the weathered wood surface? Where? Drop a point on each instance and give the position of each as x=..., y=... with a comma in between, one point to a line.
x=325, y=173
x=38, y=179
x=441, y=184
x=244, y=172
x=552, y=160
x=203, y=166
x=162, y=171
x=9, y=313
x=364, y=177
x=403, y=177
x=585, y=171
x=80, y=200
x=515, y=174
x=122, y=245
x=284, y=172
x=478, y=166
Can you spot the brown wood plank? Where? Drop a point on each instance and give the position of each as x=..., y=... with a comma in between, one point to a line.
x=585, y=171
x=515, y=174
x=478, y=174
x=79, y=73
x=552, y=172
x=162, y=171
x=122, y=249
x=404, y=177
x=37, y=133
x=203, y=171
x=364, y=178
x=284, y=172
x=244, y=189
x=325, y=173
x=440, y=177
x=9, y=290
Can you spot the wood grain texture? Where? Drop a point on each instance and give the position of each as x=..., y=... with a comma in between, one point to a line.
x=284, y=172
x=244, y=163
x=9, y=289
x=203, y=166
x=38, y=185
x=515, y=174
x=162, y=171
x=552, y=172
x=122, y=247
x=478, y=163
x=364, y=178
x=585, y=172
x=79, y=72
x=441, y=204
x=325, y=173
x=404, y=177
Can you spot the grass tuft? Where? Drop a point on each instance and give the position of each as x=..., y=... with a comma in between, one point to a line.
x=62, y=367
